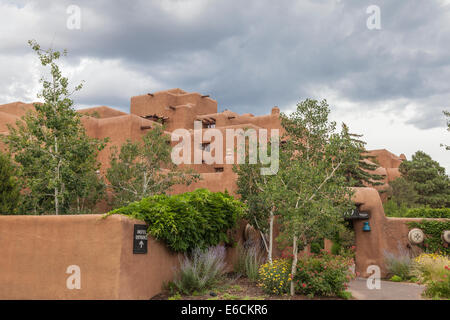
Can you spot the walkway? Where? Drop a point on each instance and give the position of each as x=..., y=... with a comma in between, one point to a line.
x=389, y=290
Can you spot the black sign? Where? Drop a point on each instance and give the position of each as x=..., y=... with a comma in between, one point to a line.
x=140, y=238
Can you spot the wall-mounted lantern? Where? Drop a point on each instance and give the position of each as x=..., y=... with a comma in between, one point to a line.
x=366, y=226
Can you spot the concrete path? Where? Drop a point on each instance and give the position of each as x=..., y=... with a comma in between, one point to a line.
x=389, y=290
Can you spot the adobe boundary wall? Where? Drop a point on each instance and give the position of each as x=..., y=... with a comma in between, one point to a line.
x=387, y=234
x=35, y=252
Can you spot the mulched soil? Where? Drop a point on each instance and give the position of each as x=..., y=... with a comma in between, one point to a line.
x=238, y=288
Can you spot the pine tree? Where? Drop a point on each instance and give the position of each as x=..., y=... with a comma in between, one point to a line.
x=429, y=180
x=359, y=170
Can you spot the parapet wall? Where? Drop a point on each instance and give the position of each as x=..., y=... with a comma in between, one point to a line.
x=386, y=234
x=35, y=252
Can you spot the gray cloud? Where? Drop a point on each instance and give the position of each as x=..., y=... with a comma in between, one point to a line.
x=248, y=55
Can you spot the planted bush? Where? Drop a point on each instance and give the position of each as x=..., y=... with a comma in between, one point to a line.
x=189, y=220
x=428, y=213
x=201, y=270
x=323, y=274
x=275, y=278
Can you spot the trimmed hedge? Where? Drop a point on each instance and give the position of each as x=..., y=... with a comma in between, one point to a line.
x=197, y=219
x=393, y=210
x=428, y=213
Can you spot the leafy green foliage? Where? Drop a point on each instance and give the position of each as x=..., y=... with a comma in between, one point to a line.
x=312, y=188
x=323, y=275
x=257, y=192
x=418, y=212
x=56, y=157
x=9, y=186
x=201, y=270
x=428, y=179
x=402, y=192
x=143, y=169
x=185, y=221
x=433, y=229
x=358, y=169
x=396, y=278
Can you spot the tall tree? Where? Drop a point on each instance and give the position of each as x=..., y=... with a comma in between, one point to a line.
x=359, y=170
x=9, y=186
x=256, y=192
x=429, y=180
x=145, y=168
x=51, y=145
x=312, y=190
x=402, y=192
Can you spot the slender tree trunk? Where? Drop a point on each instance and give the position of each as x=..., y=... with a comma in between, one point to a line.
x=271, y=236
x=294, y=263
x=57, y=180
x=56, y=201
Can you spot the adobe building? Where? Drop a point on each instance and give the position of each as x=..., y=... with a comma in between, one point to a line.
x=109, y=268
x=178, y=109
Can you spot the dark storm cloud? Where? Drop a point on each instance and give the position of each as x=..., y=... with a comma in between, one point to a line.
x=254, y=54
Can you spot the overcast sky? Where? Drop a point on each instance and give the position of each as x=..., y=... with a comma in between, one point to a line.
x=390, y=84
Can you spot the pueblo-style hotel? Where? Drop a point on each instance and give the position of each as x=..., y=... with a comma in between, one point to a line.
x=176, y=109
x=102, y=247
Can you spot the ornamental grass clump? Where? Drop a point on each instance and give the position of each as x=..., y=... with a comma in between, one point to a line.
x=201, y=270
x=249, y=259
x=323, y=274
x=400, y=264
x=275, y=278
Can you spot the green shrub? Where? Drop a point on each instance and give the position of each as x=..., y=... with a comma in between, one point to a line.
x=396, y=278
x=428, y=213
x=274, y=278
x=249, y=259
x=400, y=264
x=9, y=186
x=323, y=275
x=185, y=221
x=439, y=289
x=316, y=247
x=393, y=210
x=201, y=270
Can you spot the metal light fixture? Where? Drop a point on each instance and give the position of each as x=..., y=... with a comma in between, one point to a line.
x=366, y=226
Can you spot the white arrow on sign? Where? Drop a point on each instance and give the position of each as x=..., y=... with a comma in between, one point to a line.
x=141, y=243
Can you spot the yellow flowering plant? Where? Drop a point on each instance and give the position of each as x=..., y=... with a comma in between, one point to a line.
x=275, y=277
x=433, y=270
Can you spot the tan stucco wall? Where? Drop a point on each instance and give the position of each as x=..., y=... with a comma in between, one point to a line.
x=35, y=252
x=386, y=235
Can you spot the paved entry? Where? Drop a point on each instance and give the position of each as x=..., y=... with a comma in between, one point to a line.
x=389, y=290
